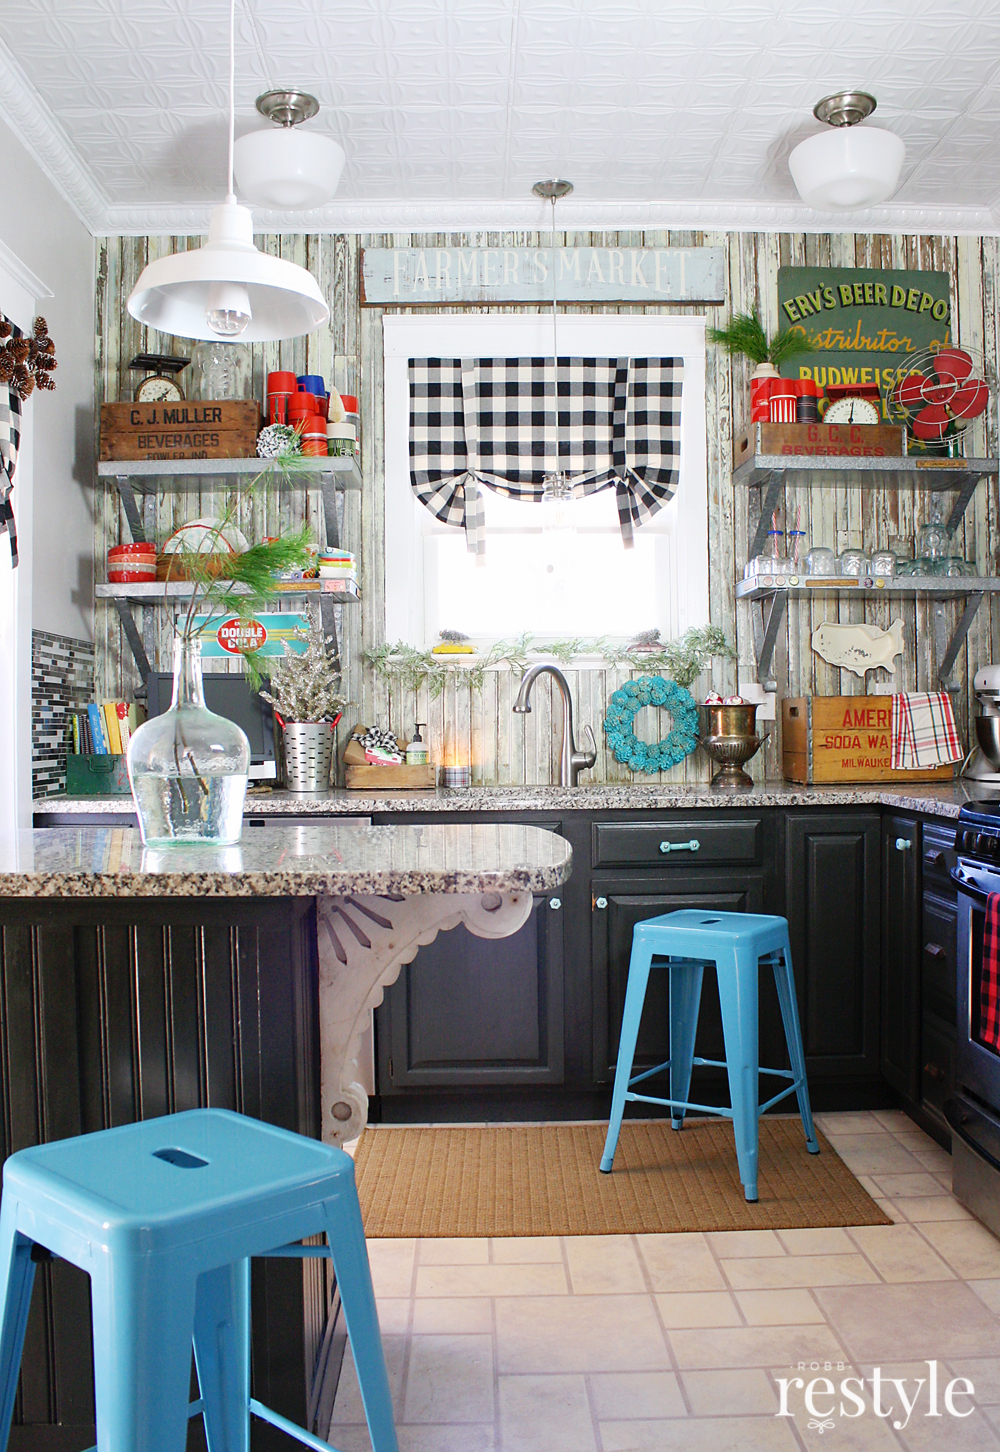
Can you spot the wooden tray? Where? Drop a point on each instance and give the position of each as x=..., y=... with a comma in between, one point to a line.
x=390, y=778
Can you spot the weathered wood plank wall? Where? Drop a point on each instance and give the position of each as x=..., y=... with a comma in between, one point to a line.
x=480, y=728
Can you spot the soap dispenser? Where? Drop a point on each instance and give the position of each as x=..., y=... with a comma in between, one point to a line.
x=416, y=752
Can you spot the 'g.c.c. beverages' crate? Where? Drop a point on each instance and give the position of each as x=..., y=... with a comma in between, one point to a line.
x=843, y=738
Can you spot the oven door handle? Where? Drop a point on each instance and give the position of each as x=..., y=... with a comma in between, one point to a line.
x=978, y=894
x=958, y=1116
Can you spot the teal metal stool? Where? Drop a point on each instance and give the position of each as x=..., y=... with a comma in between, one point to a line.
x=164, y=1217
x=735, y=943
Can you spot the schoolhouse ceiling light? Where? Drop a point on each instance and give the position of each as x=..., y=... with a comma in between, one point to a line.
x=286, y=166
x=850, y=166
x=228, y=288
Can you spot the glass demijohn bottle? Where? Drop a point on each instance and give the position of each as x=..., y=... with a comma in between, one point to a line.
x=189, y=767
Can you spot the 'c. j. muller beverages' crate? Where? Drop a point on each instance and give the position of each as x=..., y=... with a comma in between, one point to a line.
x=843, y=738
x=190, y=429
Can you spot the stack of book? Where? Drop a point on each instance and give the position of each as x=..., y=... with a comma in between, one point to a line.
x=103, y=729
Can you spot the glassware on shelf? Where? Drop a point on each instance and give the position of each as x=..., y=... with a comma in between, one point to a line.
x=883, y=563
x=952, y=566
x=796, y=550
x=923, y=565
x=822, y=561
x=189, y=767
x=933, y=540
x=220, y=370
x=854, y=563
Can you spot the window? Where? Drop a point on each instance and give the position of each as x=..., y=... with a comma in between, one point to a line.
x=533, y=579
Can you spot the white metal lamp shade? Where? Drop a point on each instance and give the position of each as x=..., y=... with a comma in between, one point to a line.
x=846, y=168
x=176, y=294
x=287, y=167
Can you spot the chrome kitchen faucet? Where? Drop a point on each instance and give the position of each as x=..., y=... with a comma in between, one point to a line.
x=571, y=761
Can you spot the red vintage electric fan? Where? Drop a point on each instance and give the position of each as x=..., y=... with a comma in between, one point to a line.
x=937, y=393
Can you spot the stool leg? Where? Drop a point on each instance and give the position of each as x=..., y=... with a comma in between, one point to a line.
x=17, y=1276
x=635, y=997
x=784, y=981
x=222, y=1355
x=143, y=1313
x=685, y=1000
x=346, y=1235
x=738, y=999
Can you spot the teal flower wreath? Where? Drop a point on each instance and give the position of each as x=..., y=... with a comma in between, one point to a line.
x=628, y=700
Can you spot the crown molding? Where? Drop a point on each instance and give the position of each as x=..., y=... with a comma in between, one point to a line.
x=43, y=138
x=506, y=216
x=22, y=273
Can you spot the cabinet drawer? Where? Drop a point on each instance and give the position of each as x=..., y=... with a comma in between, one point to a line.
x=937, y=1072
x=939, y=951
x=939, y=857
x=682, y=842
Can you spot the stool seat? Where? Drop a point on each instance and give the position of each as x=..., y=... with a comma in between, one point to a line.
x=735, y=944
x=164, y=1216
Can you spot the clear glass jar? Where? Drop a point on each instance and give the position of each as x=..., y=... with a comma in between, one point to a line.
x=933, y=540
x=189, y=767
x=854, y=563
x=796, y=547
x=821, y=560
x=923, y=565
x=883, y=563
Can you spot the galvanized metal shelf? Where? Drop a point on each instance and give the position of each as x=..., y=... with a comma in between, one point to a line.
x=161, y=594
x=772, y=472
x=773, y=592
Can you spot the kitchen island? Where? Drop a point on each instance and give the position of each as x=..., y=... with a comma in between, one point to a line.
x=136, y=983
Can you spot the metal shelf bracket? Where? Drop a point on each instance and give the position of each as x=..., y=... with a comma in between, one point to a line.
x=765, y=630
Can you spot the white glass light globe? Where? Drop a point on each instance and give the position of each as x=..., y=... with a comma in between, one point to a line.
x=287, y=168
x=847, y=167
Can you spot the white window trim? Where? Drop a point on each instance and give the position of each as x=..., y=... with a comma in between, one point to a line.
x=455, y=335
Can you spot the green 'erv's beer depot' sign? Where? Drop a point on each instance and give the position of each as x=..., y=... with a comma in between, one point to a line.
x=862, y=322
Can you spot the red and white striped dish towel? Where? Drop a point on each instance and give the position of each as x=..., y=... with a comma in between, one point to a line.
x=923, y=731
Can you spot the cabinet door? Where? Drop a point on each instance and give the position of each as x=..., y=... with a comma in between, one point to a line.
x=477, y=1011
x=618, y=904
x=832, y=905
x=901, y=955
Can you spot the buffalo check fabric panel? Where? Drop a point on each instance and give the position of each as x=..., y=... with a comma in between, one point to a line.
x=923, y=730
x=10, y=438
x=496, y=422
x=989, y=982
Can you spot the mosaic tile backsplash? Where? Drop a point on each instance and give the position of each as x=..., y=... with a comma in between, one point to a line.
x=62, y=674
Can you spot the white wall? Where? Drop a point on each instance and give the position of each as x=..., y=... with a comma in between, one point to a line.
x=48, y=237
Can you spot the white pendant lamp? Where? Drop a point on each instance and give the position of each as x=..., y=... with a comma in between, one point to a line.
x=849, y=166
x=228, y=288
x=286, y=166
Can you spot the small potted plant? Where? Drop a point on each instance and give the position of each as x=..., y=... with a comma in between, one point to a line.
x=305, y=694
x=744, y=336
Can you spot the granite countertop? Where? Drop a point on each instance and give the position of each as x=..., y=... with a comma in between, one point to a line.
x=329, y=858
x=941, y=800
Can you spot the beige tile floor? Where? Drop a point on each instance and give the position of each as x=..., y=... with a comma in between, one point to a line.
x=650, y=1343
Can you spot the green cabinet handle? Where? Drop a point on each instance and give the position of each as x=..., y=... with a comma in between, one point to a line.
x=692, y=846
x=903, y=844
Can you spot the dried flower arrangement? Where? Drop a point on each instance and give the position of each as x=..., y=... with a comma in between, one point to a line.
x=26, y=363
x=305, y=685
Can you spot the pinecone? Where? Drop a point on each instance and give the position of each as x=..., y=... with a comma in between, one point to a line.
x=46, y=361
x=41, y=327
x=21, y=349
x=44, y=381
x=22, y=382
x=6, y=328
x=6, y=366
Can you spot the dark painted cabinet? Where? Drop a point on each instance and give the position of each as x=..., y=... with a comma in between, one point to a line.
x=900, y=954
x=938, y=972
x=115, y=1011
x=474, y=1012
x=832, y=906
x=618, y=904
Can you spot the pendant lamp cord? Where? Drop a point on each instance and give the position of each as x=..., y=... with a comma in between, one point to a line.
x=555, y=338
x=231, y=194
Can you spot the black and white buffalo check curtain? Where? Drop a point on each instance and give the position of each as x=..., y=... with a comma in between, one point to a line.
x=493, y=422
x=10, y=439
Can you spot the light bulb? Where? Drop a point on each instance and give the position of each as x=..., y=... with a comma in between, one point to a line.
x=557, y=505
x=227, y=308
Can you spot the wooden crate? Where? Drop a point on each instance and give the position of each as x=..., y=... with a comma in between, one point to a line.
x=191, y=429
x=390, y=778
x=815, y=440
x=841, y=739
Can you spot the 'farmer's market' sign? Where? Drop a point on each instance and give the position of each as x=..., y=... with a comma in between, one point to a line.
x=422, y=276
x=862, y=322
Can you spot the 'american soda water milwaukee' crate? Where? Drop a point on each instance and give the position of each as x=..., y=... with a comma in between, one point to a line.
x=843, y=738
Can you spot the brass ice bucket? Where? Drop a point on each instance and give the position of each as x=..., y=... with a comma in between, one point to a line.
x=730, y=738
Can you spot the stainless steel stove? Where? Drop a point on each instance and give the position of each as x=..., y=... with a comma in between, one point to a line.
x=974, y=1110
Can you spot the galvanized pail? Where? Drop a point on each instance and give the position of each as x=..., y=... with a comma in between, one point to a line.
x=308, y=755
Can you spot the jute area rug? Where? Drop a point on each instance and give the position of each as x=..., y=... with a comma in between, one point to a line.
x=543, y=1180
